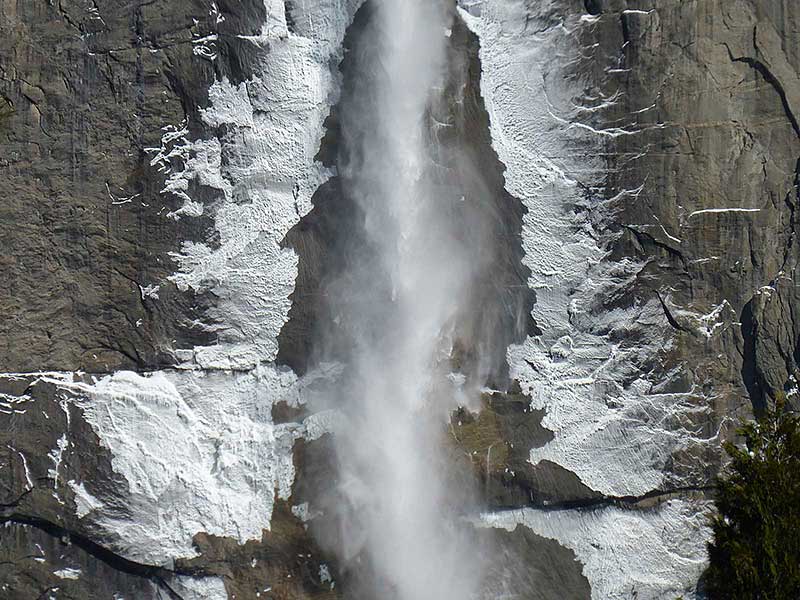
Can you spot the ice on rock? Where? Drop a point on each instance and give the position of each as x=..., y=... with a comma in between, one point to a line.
x=85, y=501
x=199, y=453
x=612, y=426
x=574, y=368
x=67, y=573
x=645, y=554
x=273, y=126
x=197, y=446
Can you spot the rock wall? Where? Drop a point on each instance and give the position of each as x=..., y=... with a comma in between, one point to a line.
x=167, y=219
x=137, y=396
x=654, y=146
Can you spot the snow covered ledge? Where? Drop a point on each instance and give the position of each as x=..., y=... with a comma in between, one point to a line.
x=652, y=554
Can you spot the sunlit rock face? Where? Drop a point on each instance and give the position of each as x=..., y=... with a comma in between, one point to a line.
x=644, y=298
x=174, y=211
x=158, y=471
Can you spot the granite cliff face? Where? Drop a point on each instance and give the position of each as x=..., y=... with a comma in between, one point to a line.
x=170, y=217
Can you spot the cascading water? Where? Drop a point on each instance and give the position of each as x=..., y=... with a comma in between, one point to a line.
x=393, y=313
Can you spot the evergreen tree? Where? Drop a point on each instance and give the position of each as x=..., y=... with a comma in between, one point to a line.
x=755, y=554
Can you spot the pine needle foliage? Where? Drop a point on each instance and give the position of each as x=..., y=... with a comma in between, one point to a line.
x=755, y=553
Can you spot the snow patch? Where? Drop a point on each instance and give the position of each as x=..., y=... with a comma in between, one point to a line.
x=645, y=554
x=618, y=430
x=28, y=479
x=723, y=210
x=269, y=130
x=56, y=455
x=67, y=573
x=611, y=428
x=194, y=588
x=197, y=446
x=199, y=452
x=10, y=404
x=84, y=501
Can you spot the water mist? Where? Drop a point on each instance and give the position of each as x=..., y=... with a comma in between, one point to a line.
x=394, y=311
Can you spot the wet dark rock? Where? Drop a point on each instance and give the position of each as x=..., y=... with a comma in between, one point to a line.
x=286, y=562
x=525, y=566
x=472, y=180
x=498, y=439
x=35, y=564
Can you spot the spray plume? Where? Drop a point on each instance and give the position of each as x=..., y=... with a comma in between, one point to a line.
x=394, y=311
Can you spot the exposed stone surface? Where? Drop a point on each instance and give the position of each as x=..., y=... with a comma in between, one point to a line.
x=525, y=565
x=686, y=117
x=92, y=92
x=712, y=89
x=36, y=564
x=692, y=108
x=84, y=227
x=703, y=130
x=286, y=564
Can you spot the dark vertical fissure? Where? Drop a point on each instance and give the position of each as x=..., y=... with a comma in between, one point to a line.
x=752, y=378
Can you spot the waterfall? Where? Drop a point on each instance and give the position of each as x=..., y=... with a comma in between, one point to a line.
x=393, y=311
